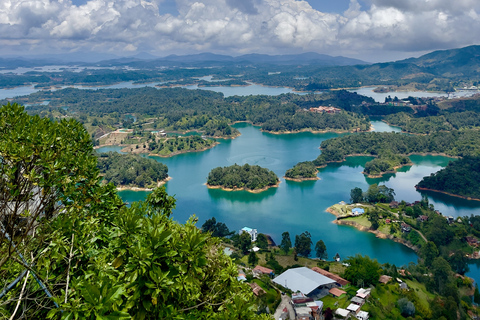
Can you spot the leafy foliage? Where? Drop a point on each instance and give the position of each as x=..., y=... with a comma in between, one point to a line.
x=362, y=270
x=303, y=244
x=104, y=260
x=286, y=243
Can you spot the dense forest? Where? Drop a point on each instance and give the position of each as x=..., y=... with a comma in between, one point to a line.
x=385, y=162
x=302, y=170
x=242, y=177
x=444, y=122
x=454, y=143
x=179, y=109
x=460, y=177
x=131, y=170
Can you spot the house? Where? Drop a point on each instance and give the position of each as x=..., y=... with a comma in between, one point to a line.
x=384, y=279
x=472, y=241
x=353, y=308
x=405, y=227
x=303, y=313
x=388, y=221
x=241, y=275
x=257, y=290
x=423, y=218
x=393, y=204
x=362, y=315
x=339, y=281
x=304, y=280
x=358, y=211
x=259, y=270
x=322, y=109
x=358, y=301
x=252, y=232
x=342, y=313
x=450, y=219
x=363, y=293
x=336, y=292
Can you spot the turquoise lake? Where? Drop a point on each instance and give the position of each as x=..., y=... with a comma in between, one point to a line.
x=297, y=206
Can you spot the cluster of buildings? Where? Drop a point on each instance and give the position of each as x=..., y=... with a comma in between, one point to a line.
x=310, y=285
x=322, y=109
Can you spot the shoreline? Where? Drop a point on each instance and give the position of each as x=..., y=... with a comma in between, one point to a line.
x=301, y=179
x=381, y=174
x=243, y=189
x=160, y=183
x=173, y=153
x=447, y=193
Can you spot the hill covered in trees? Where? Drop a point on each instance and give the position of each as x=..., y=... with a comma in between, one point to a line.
x=460, y=178
x=129, y=170
x=247, y=177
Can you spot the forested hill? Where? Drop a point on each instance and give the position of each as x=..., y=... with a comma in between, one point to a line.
x=460, y=177
x=242, y=177
x=183, y=109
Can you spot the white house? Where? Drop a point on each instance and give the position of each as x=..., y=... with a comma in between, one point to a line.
x=252, y=232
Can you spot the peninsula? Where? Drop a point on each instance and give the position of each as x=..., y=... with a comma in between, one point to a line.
x=302, y=171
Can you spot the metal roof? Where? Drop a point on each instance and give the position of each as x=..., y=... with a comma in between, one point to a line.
x=302, y=279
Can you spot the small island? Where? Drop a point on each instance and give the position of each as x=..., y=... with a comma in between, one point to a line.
x=460, y=179
x=302, y=171
x=130, y=171
x=385, y=163
x=250, y=178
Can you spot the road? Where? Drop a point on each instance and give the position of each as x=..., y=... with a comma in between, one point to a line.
x=286, y=303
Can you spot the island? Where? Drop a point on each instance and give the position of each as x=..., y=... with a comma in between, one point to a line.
x=460, y=178
x=251, y=178
x=172, y=146
x=131, y=171
x=302, y=171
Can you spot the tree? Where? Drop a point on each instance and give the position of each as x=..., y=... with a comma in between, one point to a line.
x=321, y=250
x=102, y=259
x=459, y=262
x=244, y=242
x=252, y=258
x=262, y=241
x=356, y=195
x=303, y=244
x=441, y=274
x=362, y=270
x=286, y=242
x=429, y=252
x=406, y=307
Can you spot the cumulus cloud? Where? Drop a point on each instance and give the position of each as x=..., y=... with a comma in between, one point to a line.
x=238, y=26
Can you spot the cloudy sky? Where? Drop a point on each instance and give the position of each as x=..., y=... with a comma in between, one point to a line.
x=372, y=30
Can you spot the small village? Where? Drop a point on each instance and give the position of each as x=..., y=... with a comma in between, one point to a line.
x=312, y=293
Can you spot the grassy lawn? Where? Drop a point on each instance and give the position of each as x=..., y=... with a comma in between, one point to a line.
x=361, y=220
x=423, y=295
x=334, y=303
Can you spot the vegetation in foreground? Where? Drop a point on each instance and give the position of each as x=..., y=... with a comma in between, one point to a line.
x=92, y=256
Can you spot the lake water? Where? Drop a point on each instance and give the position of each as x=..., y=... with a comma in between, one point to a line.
x=295, y=206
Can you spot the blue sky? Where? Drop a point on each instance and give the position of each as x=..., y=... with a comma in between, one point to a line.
x=371, y=30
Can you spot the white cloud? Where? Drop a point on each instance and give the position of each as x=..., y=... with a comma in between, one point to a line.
x=239, y=26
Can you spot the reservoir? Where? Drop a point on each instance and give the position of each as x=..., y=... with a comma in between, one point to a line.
x=296, y=206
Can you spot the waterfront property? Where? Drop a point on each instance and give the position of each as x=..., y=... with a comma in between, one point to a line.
x=252, y=232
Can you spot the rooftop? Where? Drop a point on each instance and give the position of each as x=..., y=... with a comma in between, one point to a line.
x=336, y=292
x=332, y=276
x=302, y=279
x=263, y=270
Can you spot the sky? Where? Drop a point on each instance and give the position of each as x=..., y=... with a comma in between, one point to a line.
x=371, y=30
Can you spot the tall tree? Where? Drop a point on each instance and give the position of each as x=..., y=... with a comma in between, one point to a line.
x=356, y=195
x=262, y=241
x=303, y=243
x=252, y=258
x=286, y=243
x=321, y=250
